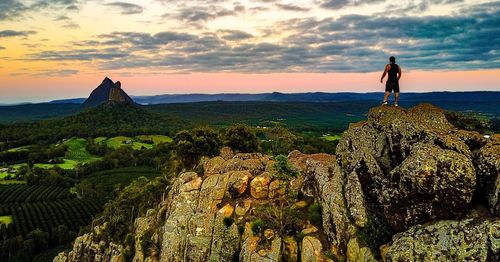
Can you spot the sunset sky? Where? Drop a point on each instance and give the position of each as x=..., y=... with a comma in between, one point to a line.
x=52, y=49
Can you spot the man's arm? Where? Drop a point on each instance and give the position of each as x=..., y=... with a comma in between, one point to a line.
x=387, y=68
x=399, y=73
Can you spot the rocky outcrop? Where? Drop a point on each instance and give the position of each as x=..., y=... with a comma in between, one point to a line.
x=471, y=239
x=325, y=181
x=86, y=249
x=107, y=92
x=410, y=165
x=402, y=173
x=488, y=171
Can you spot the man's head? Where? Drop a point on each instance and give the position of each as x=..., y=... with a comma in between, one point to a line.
x=392, y=59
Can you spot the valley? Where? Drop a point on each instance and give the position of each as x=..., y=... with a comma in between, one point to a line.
x=106, y=164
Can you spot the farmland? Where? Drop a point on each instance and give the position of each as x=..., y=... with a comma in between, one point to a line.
x=137, y=143
x=24, y=208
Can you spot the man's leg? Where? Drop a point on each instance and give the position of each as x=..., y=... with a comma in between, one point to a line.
x=396, y=97
x=386, y=97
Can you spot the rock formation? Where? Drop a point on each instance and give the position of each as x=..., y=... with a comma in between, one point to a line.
x=404, y=186
x=107, y=92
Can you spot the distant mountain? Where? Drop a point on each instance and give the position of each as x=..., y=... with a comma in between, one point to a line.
x=107, y=92
x=68, y=101
x=473, y=96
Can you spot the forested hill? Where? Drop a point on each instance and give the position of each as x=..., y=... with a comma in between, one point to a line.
x=105, y=120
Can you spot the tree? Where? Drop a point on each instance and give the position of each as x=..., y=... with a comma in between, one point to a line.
x=190, y=146
x=282, y=140
x=240, y=138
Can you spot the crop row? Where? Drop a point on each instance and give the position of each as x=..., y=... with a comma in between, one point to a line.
x=73, y=213
x=30, y=194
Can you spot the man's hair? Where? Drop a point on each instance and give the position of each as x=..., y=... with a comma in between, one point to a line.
x=392, y=59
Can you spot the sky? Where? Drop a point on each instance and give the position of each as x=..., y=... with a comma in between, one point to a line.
x=53, y=49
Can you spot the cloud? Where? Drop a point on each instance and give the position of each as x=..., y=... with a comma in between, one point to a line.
x=50, y=73
x=11, y=9
x=468, y=40
x=41, y=4
x=13, y=33
x=289, y=7
x=67, y=22
x=16, y=9
x=234, y=35
x=78, y=55
x=197, y=16
x=126, y=8
x=339, y=4
x=63, y=72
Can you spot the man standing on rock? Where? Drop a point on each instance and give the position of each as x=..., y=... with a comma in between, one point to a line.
x=392, y=83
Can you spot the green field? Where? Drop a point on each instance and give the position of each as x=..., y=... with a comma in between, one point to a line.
x=329, y=137
x=137, y=142
x=157, y=139
x=76, y=154
x=4, y=174
x=5, y=220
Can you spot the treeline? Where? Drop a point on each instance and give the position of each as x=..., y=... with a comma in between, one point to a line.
x=473, y=122
x=156, y=157
x=105, y=120
x=190, y=145
x=34, y=154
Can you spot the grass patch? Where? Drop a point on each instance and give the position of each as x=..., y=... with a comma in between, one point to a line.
x=5, y=220
x=157, y=139
x=4, y=174
x=66, y=164
x=77, y=152
x=137, y=143
x=330, y=138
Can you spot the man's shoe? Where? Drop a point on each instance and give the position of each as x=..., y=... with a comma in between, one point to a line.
x=385, y=103
x=396, y=105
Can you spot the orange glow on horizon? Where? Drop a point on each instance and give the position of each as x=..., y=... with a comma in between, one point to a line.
x=49, y=88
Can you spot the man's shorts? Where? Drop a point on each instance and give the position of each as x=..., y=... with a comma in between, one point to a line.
x=392, y=85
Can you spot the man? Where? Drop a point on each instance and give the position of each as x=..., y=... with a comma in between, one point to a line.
x=392, y=84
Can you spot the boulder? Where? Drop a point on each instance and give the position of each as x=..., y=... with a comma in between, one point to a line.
x=214, y=166
x=312, y=250
x=445, y=179
x=259, y=187
x=410, y=165
x=356, y=252
x=225, y=240
x=238, y=182
x=325, y=181
x=243, y=207
x=226, y=153
x=487, y=163
x=471, y=239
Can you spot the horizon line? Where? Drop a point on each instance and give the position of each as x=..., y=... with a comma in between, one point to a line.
x=239, y=93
